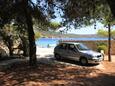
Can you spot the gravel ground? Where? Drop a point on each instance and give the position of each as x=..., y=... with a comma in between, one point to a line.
x=50, y=72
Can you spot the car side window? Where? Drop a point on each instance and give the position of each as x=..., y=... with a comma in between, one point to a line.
x=62, y=46
x=71, y=47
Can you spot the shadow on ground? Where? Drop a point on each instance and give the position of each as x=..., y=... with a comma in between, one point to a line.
x=50, y=59
x=77, y=63
x=54, y=75
x=5, y=58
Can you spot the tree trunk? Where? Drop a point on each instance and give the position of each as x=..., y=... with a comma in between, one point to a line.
x=10, y=51
x=25, y=48
x=112, y=7
x=109, y=42
x=24, y=44
x=10, y=45
x=32, y=46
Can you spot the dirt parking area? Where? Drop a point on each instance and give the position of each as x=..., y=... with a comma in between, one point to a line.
x=59, y=74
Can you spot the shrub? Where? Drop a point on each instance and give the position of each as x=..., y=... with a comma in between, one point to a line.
x=102, y=47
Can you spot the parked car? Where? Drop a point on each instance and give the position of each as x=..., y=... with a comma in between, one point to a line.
x=77, y=52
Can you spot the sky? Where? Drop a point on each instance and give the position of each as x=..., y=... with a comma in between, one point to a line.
x=87, y=29
x=83, y=30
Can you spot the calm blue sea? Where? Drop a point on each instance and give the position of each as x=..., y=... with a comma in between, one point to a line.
x=51, y=42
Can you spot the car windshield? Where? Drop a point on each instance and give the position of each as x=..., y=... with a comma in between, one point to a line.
x=82, y=47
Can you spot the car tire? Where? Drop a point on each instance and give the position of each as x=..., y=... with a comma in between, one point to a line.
x=83, y=61
x=57, y=57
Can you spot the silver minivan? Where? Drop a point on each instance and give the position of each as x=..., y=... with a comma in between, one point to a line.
x=77, y=52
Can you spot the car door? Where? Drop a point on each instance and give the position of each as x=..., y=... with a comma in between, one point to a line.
x=72, y=52
x=63, y=50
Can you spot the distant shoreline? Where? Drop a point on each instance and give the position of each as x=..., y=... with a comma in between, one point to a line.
x=51, y=42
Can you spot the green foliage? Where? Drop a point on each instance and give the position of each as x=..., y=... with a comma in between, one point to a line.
x=101, y=43
x=14, y=35
x=113, y=32
x=104, y=33
x=54, y=25
x=81, y=12
x=37, y=35
x=102, y=47
x=7, y=35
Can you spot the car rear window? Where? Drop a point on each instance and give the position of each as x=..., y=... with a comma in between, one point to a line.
x=62, y=46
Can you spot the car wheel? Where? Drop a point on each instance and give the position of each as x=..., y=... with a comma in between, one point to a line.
x=83, y=61
x=57, y=56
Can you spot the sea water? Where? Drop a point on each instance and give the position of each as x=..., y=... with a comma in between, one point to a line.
x=52, y=42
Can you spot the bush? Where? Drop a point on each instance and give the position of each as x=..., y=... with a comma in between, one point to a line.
x=102, y=47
